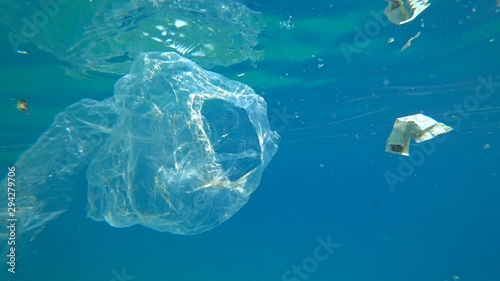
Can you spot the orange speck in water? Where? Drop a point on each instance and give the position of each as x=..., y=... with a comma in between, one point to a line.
x=22, y=105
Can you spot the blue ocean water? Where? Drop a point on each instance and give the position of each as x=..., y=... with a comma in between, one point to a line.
x=332, y=204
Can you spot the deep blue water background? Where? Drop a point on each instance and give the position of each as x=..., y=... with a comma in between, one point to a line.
x=328, y=177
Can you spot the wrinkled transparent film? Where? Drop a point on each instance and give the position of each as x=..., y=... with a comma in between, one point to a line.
x=177, y=148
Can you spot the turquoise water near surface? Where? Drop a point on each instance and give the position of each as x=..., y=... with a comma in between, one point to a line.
x=328, y=180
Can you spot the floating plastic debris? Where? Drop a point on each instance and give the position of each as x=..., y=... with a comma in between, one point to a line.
x=419, y=127
x=408, y=43
x=400, y=12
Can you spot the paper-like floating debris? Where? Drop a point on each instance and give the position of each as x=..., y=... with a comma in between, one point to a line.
x=408, y=43
x=401, y=12
x=419, y=127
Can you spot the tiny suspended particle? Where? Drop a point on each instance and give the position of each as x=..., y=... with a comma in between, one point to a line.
x=22, y=105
